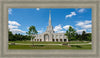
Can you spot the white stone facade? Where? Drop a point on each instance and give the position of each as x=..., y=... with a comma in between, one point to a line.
x=50, y=36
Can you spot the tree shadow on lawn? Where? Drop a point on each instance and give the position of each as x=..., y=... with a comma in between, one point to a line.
x=76, y=46
x=37, y=46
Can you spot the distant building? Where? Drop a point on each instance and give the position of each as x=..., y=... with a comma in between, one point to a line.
x=49, y=35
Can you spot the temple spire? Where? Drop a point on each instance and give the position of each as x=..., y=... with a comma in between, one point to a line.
x=49, y=18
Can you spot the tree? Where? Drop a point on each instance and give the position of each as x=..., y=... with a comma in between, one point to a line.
x=11, y=37
x=89, y=36
x=77, y=36
x=83, y=35
x=71, y=33
x=32, y=31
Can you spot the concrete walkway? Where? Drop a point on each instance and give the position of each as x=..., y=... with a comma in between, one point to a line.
x=50, y=44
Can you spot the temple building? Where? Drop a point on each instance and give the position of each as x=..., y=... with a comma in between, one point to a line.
x=49, y=35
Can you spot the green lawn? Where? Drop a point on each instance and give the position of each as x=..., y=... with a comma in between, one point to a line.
x=50, y=46
x=29, y=42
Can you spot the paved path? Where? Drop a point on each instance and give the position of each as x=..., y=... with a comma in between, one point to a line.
x=50, y=44
x=34, y=44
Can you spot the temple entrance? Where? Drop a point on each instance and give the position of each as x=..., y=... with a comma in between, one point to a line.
x=46, y=37
x=60, y=40
x=56, y=40
x=64, y=40
x=40, y=39
x=53, y=40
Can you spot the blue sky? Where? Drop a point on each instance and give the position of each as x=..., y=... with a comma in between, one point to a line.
x=20, y=19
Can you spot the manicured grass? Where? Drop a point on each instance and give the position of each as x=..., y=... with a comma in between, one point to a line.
x=29, y=42
x=49, y=47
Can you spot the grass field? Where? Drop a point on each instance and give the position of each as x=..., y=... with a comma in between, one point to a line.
x=49, y=47
x=88, y=46
x=29, y=42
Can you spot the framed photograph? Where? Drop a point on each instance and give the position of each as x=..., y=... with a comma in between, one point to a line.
x=49, y=29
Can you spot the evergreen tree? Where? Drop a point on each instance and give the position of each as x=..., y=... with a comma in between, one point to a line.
x=83, y=35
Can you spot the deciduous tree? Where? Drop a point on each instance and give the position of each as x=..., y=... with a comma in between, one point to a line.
x=71, y=33
x=32, y=31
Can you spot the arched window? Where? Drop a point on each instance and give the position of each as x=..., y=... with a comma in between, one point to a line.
x=37, y=39
x=60, y=40
x=64, y=40
x=40, y=39
x=57, y=40
x=53, y=40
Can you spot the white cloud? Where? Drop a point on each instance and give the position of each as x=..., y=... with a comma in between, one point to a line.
x=38, y=9
x=80, y=24
x=88, y=32
x=61, y=31
x=85, y=24
x=70, y=15
x=80, y=31
x=14, y=31
x=57, y=28
x=9, y=11
x=81, y=10
x=40, y=31
x=13, y=23
x=13, y=26
x=27, y=27
x=66, y=27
